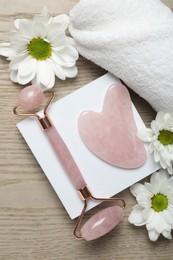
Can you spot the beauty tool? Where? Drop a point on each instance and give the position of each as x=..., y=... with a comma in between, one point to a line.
x=112, y=133
x=102, y=222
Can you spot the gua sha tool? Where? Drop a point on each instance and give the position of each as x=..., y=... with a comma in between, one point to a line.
x=102, y=222
x=112, y=134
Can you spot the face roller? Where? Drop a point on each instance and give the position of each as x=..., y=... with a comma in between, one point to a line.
x=105, y=220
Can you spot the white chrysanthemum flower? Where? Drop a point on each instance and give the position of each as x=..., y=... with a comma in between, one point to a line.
x=155, y=205
x=160, y=137
x=39, y=50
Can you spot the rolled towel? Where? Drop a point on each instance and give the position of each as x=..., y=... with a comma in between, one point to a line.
x=133, y=39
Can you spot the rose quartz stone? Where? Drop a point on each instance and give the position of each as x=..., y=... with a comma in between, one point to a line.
x=102, y=223
x=112, y=134
x=65, y=157
x=31, y=97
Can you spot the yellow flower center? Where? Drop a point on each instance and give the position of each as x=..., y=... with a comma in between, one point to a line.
x=159, y=202
x=165, y=137
x=39, y=49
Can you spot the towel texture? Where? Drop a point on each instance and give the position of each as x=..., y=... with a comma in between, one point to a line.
x=133, y=39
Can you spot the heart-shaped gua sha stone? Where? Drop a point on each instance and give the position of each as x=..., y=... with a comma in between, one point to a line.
x=112, y=134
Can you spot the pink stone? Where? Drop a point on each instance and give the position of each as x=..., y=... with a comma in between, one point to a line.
x=65, y=157
x=31, y=97
x=112, y=134
x=102, y=223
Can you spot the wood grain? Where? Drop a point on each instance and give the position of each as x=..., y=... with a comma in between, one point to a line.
x=33, y=222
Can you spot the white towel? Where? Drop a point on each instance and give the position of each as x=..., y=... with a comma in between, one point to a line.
x=133, y=39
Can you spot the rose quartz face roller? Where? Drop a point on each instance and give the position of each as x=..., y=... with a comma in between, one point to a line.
x=105, y=220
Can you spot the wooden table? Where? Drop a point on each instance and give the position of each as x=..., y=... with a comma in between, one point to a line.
x=33, y=222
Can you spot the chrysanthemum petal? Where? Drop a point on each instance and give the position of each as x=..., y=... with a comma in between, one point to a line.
x=165, y=155
x=5, y=50
x=156, y=156
x=145, y=135
x=136, y=216
x=170, y=169
x=137, y=189
x=39, y=30
x=167, y=117
x=60, y=60
x=155, y=127
x=25, y=27
x=13, y=75
x=16, y=23
x=160, y=223
x=58, y=40
x=148, y=214
x=150, y=148
x=158, y=178
x=70, y=72
x=14, y=64
x=19, y=48
x=35, y=81
x=44, y=13
x=71, y=41
x=153, y=235
x=52, y=80
x=27, y=66
x=163, y=164
x=56, y=48
x=44, y=72
x=170, y=184
x=53, y=31
x=24, y=80
x=167, y=234
x=59, y=72
x=51, y=74
x=18, y=42
x=167, y=217
x=18, y=38
x=69, y=53
x=143, y=200
x=44, y=17
x=151, y=224
x=150, y=188
x=170, y=151
x=160, y=117
x=62, y=21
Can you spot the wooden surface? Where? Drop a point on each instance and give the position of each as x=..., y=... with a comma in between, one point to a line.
x=33, y=222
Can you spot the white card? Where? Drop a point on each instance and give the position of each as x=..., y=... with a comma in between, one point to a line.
x=103, y=179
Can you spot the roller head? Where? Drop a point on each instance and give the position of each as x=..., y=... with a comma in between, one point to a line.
x=31, y=97
x=102, y=223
